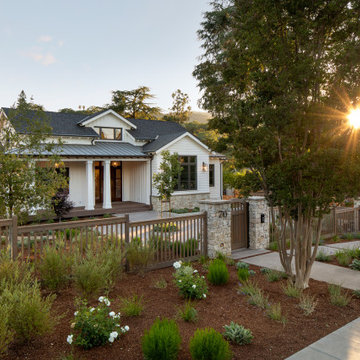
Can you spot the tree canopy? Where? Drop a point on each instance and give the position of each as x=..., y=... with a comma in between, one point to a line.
x=181, y=110
x=279, y=79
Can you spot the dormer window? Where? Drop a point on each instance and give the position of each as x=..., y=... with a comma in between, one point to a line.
x=109, y=133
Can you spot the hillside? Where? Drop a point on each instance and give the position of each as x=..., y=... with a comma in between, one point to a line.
x=201, y=117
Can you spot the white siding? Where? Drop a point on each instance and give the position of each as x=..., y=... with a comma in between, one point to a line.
x=188, y=147
x=136, y=181
x=77, y=183
x=215, y=191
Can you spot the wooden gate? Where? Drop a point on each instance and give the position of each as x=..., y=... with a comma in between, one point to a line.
x=239, y=225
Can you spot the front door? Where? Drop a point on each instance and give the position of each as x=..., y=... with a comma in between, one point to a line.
x=99, y=180
x=116, y=181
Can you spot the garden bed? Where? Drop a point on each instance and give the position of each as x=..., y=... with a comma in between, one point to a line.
x=272, y=339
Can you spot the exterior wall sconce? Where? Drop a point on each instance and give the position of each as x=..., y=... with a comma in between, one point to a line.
x=115, y=163
x=204, y=167
x=262, y=218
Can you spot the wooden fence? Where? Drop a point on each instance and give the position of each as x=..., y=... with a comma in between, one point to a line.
x=340, y=221
x=180, y=237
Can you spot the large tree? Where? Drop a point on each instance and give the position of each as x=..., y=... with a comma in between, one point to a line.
x=134, y=103
x=181, y=110
x=279, y=78
x=25, y=185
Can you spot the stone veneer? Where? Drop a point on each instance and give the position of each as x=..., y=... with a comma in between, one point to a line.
x=219, y=226
x=258, y=231
x=179, y=201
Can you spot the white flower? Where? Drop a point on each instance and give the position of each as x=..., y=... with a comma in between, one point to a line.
x=126, y=328
x=70, y=339
x=101, y=298
x=107, y=302
x=118, y=325
x=75, y=313
x=92, y=309
x=203, y=277
x=177, y=265
x=114, y=334
x=117, y=316
x=195, y=271
x=112, y=314
x=180, y=281
x=194, y=286
x=111, y=339
x=204, y=295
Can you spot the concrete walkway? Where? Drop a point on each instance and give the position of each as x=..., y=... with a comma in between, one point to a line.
x=342, y=344
x=331, y=249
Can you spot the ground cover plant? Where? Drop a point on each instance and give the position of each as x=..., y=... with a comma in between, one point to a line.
x=238, y=334
x=218, y=273
x=132, y=306
x=338, y=297
x=188, y=313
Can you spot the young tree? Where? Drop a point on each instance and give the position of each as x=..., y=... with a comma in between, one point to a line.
x=24, y=185
x=167, y=178
x=271, y=74
x=134, y=103
x=181, y=110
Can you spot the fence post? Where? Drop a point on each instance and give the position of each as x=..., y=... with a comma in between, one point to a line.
x=127, y=240
x=13, y=238
x=335, y=225
x=205, y=234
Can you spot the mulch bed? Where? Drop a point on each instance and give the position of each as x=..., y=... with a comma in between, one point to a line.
x=272, y=340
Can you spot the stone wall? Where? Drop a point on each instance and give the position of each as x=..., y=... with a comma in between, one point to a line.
x=180, y=201
x=258, y=222
x=219, y=226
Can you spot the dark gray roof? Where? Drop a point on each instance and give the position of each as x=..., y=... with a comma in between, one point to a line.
x=62, y=124
x=110, y=149
x=160, y=132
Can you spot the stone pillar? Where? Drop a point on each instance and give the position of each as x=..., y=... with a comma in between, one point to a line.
x=219, y=225
x=356, y=215
x=259, y=225
x=107, y=186
x=90, y=199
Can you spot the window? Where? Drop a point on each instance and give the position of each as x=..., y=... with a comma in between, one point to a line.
x=188, y=176
x=107, y=133
x=212, y=175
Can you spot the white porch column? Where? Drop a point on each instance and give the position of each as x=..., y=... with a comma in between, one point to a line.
x=107, y=186
x=90, y=200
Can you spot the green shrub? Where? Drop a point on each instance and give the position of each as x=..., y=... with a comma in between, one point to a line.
x=6, y=334
x=111, y=260
x=168, y=227
x=343, y=258
x=132, y=306
x=105, y=216
x=335, y=239
x=55, y=268
x=162, y=341
x=95, y=326
x=218, y=272
x=241, y=265
x=189, y=282
x=355, y=265
x=243, y=275
x=259, y=299
x=160, y=284
x=273, y=246
x=237, y=334
x=249, y=288
x=29, y=312
x=265, y=270
x=188, y=248
x=274, y=312
x=188, y=313
x=322, y=256
x=139, y=256
x=291, y=290
x=354, y=253
x=356, y=293
x=274, y=275
x=307, y=304
x=337, y=296
x=208, y=344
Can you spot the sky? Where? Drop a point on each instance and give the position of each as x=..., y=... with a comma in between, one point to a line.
x=70, y=53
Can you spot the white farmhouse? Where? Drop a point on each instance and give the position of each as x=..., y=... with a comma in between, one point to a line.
x=111, y=160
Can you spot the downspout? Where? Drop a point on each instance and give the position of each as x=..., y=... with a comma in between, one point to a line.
x=221, y=181
x=151, y=159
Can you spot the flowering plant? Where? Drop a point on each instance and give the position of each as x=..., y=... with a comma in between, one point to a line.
x=191, y=285
x=95, y=326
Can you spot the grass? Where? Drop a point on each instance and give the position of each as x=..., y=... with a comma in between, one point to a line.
x=274, y=312
x=188, y=313
x=337, y=296
x=160, y=284
x=307, y=304
x=132, y=306
x=274, y=275
x=343, y=257
x=321, y=256
x=291, y=290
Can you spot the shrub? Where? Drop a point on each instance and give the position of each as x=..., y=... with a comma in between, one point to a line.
x=111, y=260
x=168, y=227
x=322, y=256
x=55, y=268
x=160, y=284
x=218, y=272
x=265, y=270
x=354, y=253
x=274, y=275
x=188, y=248
x=204, y=259
x=132, y=306
x=307, y=304
x=238, y=334
x=61, y=203
x=356, y=293
x=274, y=312
x=189, y=282
x=139, y=256
x=355, y=265
x=259, y=299
x=29, y=312
x=291, y=290
x=273, y=246
x=95, y=326
x=106, y=216
x=6, y=334
x=162, y=341
x=335, y=239
x=242, y=265
x=343, y=258
x=208, y=344
x=249, y=288
x=243, y=275
x=337, y=296
x=188, y=313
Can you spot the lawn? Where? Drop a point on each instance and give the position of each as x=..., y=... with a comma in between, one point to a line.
x=273, y=339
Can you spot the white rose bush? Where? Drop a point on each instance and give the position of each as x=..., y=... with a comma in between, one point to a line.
x=190, y=284
x=96, y=326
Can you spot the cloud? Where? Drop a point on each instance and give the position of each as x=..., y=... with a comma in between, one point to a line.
x=45, y=38
x=60, y=43
x=44, y=59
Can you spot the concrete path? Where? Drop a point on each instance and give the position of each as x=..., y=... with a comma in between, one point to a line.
x=245, y=253
x=331, y=249
x=342, y=344
x=332, y=274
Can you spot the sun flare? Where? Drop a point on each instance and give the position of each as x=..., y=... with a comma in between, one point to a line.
x=354, y=118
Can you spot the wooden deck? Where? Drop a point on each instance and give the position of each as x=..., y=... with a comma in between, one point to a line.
x=117, y=208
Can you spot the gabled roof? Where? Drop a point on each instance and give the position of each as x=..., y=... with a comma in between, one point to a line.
x=62, y=124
